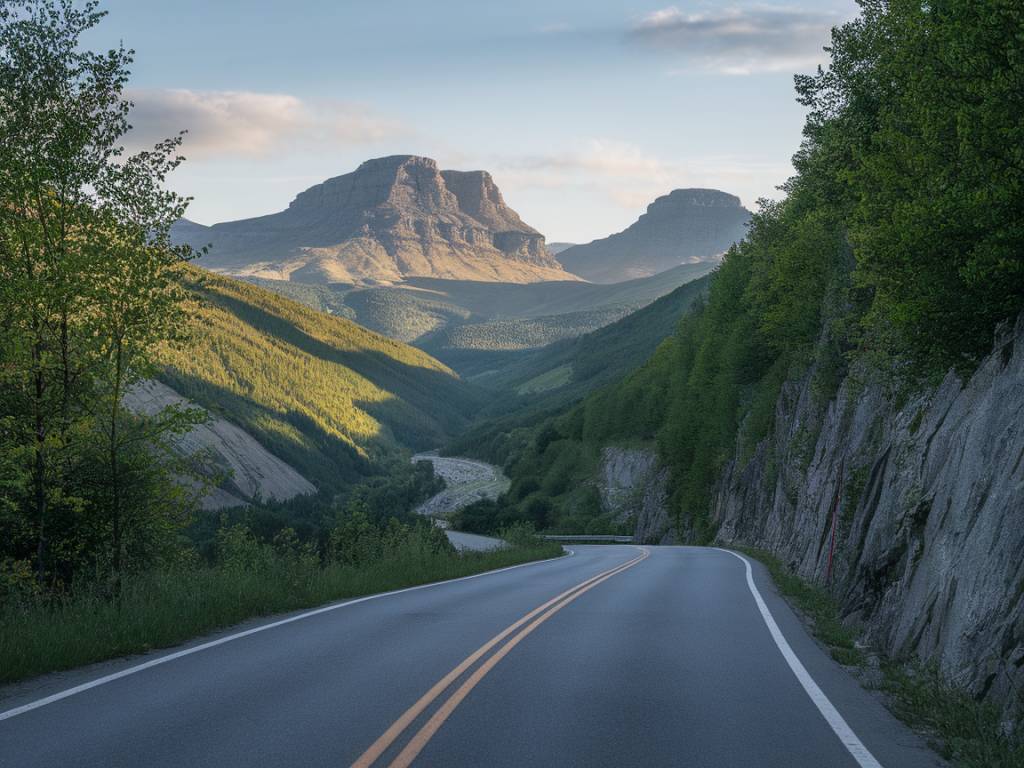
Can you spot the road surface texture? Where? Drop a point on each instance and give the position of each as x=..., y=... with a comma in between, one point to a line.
x=614, y=656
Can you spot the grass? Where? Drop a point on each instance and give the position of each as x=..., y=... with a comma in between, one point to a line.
x=817, y=605
x=966, y=732
x=971, y=733
x=553, y=379
x=162, y=609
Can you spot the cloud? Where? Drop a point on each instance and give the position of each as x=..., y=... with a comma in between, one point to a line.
x=247, y=123
x=630, y=177
x=605, y=157
x=740, y=41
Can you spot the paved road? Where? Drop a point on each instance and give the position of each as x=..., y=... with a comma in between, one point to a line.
x=665, y=660
x=473, y=542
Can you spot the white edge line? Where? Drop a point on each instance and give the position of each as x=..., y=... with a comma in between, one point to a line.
x=835, y=720
x=238, y=635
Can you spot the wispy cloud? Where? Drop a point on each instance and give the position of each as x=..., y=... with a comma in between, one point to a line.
x=222, y=123
x=631, y=177
x=605, y=157
x=740, y=41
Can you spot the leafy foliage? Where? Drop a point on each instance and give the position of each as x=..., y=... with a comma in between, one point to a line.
x=88, y=291
x=899, y=242
x=249, y=576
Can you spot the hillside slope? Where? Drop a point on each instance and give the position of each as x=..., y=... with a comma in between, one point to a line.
x=543, y=383
x=684, y=226
x=241, y=468
x=478, y=326
x=573, y=367
x=327, y=396
x=391, y=218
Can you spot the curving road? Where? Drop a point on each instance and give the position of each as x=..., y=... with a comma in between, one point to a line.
x=615, y=656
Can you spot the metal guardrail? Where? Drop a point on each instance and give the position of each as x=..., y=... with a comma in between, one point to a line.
x=596, y=538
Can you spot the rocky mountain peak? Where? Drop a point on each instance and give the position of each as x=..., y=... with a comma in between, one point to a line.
x=391, y=218
x=683, y=198
x=684, y=226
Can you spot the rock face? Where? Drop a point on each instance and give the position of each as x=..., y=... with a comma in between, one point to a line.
x=249, y=470
x=391, y=218
x=930, y=542
x=633, y=485
x=686, y=225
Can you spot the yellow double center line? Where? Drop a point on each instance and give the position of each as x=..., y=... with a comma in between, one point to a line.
x=532, y=620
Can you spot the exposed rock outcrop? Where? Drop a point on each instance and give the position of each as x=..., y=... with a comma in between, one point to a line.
x=686, y=225
x=391, y=218
x=244, y=468
x=930, y=541
x=634, y=486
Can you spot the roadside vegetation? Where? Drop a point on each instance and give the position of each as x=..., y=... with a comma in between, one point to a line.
x=103, y=549
x=248, y=577
x=968, y=733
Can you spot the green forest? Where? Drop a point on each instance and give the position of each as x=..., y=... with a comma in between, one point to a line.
x=334, y=400
x=103, y=548
x=899, y=246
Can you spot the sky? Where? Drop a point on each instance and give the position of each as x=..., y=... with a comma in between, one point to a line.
x=584, y=111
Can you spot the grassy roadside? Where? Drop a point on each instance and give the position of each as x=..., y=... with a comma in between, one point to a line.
x=163, y=608
x=966, y=732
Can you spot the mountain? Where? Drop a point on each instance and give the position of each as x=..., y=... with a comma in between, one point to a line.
x=329, y=398
x=391, y=218
x=570, y=368
x=547, y=380
x=556, y=248
x=686, y=225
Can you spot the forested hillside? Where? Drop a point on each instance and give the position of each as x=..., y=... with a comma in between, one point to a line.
x=326, y=395
x=476, y=327
x=897, y=250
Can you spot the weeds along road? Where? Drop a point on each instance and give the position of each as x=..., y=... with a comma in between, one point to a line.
x=614, y=656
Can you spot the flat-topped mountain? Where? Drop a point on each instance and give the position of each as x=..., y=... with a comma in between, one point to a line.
x=392, y=218
x=686, y=225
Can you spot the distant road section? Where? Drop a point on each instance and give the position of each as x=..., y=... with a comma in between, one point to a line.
x=474, y=543
x=468, y=481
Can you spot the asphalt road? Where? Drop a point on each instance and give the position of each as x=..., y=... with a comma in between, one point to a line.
x=666, y=661
x=473, y=542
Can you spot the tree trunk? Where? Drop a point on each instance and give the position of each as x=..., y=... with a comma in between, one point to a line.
x=115, y=466
x=39, y=464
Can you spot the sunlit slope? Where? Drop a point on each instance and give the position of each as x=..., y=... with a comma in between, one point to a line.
x=326, y=395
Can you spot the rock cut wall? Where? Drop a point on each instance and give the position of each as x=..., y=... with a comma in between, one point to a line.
x=930, y=539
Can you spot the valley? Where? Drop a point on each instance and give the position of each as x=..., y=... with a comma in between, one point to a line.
x=387, y=463
x=466, y=481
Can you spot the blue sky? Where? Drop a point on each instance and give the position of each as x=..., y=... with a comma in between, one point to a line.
x=583, y=111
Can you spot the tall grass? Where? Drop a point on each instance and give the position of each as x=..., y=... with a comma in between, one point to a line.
x=163, y=608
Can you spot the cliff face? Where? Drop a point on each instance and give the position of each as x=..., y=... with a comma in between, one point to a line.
x=930, y=542
x=686, y=225
x=391, y=218
x=634, y=486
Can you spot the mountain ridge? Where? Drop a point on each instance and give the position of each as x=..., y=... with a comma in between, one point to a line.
x=684, y=226
x=393, y=217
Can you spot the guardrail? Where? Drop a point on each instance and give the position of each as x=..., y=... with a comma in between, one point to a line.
x=595, y=538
